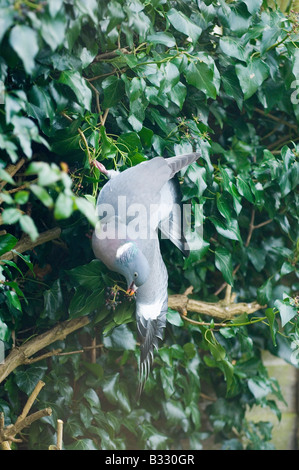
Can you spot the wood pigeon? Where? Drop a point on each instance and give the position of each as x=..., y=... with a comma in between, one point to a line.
x=132, y=206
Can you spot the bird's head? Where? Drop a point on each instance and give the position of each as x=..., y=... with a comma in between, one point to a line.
x=133, y=265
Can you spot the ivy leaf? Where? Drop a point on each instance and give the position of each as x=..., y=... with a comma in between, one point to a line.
x=113, y=91
x=13, y=300
x=201, y=76
x=75, y=81
x=82, y=444
x=160, y=37
x=272, y=323
x=183, y=24
x=233, y=48
x=121, y=338
x=6, y=177
x=28, y=226
x=264, y=293
x=42, y=195
x=87, y=209
x=287, y=311
x=223, y=207
x=223, y=262
x=53, y=29
x=251, y=76
x=64, y=206
x=7, y=243
x=174, y=318
x=85, y=302
x=27, y=379
x=24, y=41
x=87, y=275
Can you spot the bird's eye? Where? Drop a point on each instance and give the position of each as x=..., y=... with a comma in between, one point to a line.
x=135, y=275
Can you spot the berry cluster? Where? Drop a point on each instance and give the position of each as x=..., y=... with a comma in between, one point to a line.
x=115, y=296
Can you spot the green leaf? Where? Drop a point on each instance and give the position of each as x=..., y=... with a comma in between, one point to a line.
x=183, y=24
x=233, y=48
x=174, y=317
x=223, y=206
x=253, y=6
x=244, y=188
x=201, y=76
x=6, y=20
x=113, y=91
x=7, y=243
x=4, y=335
x=232, y=86
x=47, y=174
x=229, y=230
x=87, y=209
x=116, y=392
x=82, y=444
x=53, y=301
x=257, y=256
x=175, y=414
x=4, y=176
x=264, y=293
x=88, y=275
x=10, y=216
x=121, y=339
x=85, y=302
x=53, y=29
x=21, y=197
x=160, y=37
x=42, y=194
x=223, y=262
x=28, y=226
x=40, y=104
x=64, y=206
x=269, y=312
x=258, y=387
x=251, y=76
x=24, y=41
x=76, y=82
x=27, y=379
x=287, y=311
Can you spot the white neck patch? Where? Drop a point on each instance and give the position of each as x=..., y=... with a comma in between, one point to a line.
x=125, y=249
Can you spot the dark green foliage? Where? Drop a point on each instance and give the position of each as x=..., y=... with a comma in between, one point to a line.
x=117, y=82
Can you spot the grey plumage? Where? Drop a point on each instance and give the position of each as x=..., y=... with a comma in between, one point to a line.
x=148, y=185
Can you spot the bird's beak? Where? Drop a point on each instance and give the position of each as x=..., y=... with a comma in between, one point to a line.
x=131, y=289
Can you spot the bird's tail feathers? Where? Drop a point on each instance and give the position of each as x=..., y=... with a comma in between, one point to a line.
x=180, y=161
x=150, y=331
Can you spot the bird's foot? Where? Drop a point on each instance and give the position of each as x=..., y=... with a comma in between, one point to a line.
x=100, y=167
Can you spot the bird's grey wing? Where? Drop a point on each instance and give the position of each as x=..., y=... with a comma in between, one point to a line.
x=140, y=184
x=172, y=226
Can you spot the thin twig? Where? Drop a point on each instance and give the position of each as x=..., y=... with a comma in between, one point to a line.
x=263, y=223
x=12, y=170
x=92, y=79
x=30, y=401
x=111, y=54
x=97, y=98
x=59, y=434
x=277, y=119
x=26, y=243
x=251, y=228
x=86, y=144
